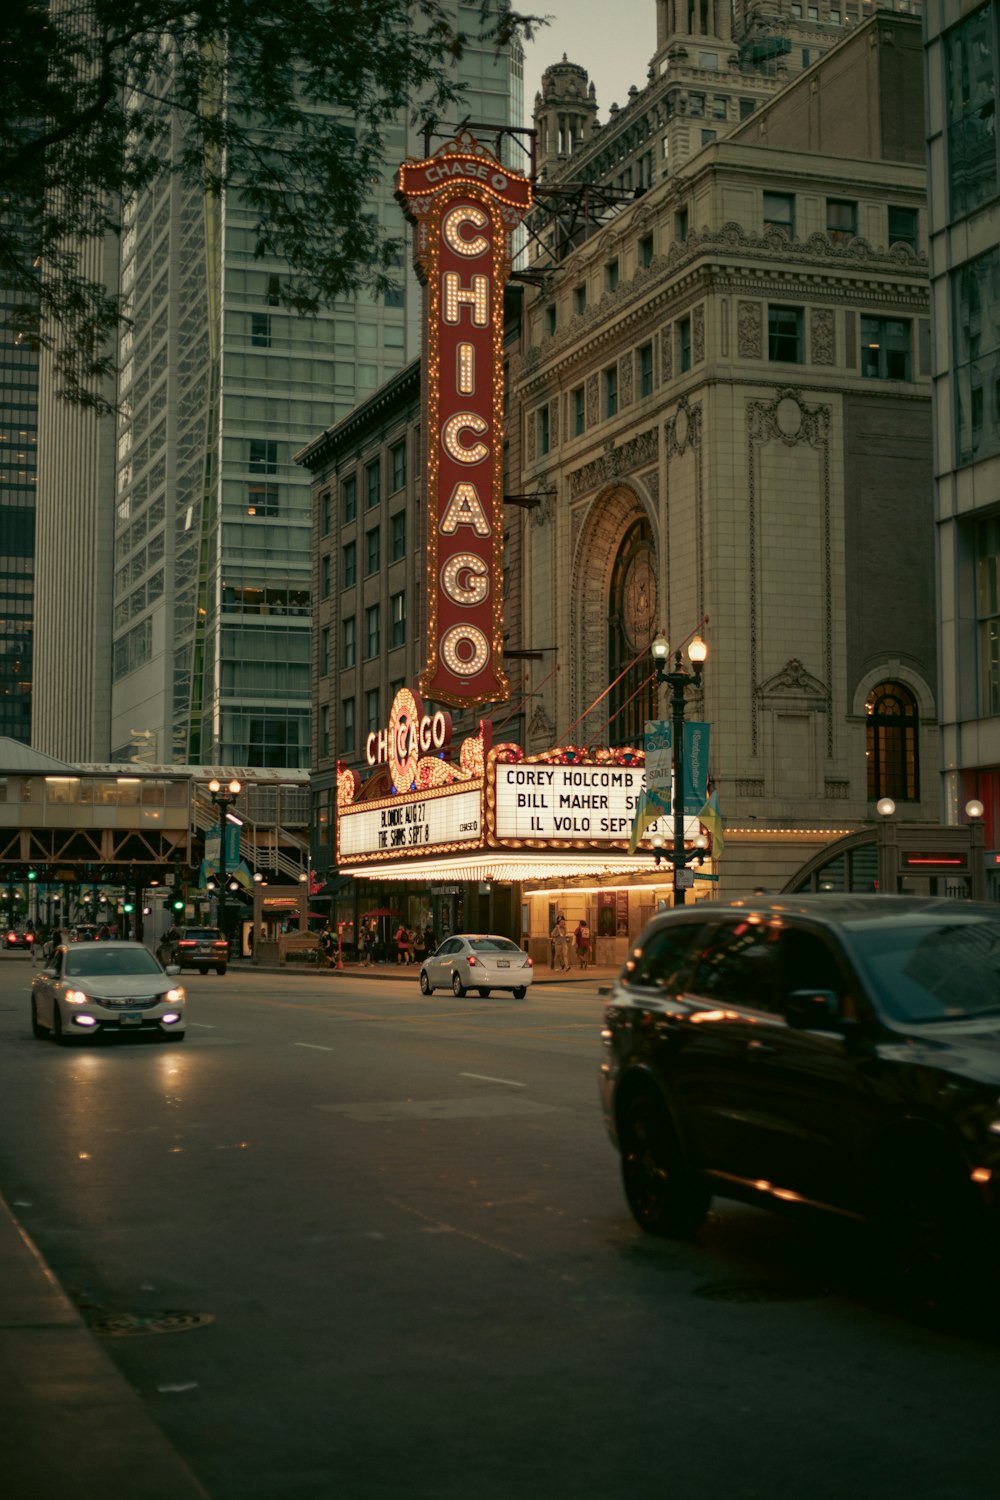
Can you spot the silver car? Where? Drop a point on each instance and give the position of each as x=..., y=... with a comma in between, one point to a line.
x=477, y=961
x=89, y=988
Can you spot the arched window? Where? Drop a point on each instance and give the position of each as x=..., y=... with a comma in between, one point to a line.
x=632, y=623
x=891, y=743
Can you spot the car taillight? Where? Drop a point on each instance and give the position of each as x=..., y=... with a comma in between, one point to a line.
x=29, y=937
x=10, y=937
x=221, y=943
x=187, y=943
x=472, y=960
x=530, y=964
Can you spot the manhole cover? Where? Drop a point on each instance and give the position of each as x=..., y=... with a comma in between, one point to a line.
x=130, y=1325
x=759, y=1291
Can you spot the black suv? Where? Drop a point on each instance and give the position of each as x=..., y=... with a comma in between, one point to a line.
x=201, y=948
x=839, y=1053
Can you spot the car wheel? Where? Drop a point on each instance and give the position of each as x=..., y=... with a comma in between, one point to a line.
x=203, y=968
x=37, y=1029
x=520, y=990
x=484, y=990
x=664, y=1194
x=220, y=968
x=426, y=988
x=457, y=987
x=58, y=1035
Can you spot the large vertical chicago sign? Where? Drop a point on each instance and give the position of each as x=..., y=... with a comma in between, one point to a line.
x=465, y=206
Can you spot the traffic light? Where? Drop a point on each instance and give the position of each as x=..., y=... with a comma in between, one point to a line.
x=128, y=907
x=178, y=903
x=32, y=874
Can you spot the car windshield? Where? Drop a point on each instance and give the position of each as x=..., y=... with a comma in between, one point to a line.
x=113, y=962
x=493, y=945
x=206, y=935
x=933, y=969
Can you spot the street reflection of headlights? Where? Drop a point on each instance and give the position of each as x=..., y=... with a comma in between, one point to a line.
x=76, y=997
x=174, y=997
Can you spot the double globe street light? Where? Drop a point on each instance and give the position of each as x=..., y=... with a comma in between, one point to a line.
x=677, y=680
x=223, y=797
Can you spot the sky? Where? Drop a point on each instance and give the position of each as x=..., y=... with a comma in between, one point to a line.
x=613, y=39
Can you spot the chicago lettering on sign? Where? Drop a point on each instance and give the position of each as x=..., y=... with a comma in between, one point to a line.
x=465, y=206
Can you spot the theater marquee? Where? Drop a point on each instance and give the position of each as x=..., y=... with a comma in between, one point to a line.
x=466, y=206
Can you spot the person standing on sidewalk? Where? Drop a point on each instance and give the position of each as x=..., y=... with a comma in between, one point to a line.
x=582, y=939
x=560, y=943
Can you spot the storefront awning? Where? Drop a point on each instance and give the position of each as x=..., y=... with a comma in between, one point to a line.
x=507, y=866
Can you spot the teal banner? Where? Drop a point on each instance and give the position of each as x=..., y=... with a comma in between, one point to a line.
x=696, y=747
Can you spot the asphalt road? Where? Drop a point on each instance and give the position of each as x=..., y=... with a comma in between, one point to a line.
x=356, y=1244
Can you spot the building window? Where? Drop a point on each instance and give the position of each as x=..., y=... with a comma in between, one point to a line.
x=784, y=335
x=646, y=251
x=260, y=330
x=645, y=359
x=841, y=220
x=324, y=576
x=885, y=348
x=326, y=509
x=611, y=276
x=779, y=212
x=720, y=107
x=373, y=484
x=263, y=456
x=262, y=499
x=373, y=551
x=891, y=743
x=274, y=291
x=903, y=227
x=747, y=107
x=397, y=605
x=550, y=320
x=349, y=642
x=988, y=612
x=696, y=104
x=976, y=321
x=398, y=535
x=394, y=297
x=397, y=462
x=346, y=746
x=579, y=299
x=708, y=60
x=324, y=651
x=684, y=345
x=632, y=622
x=349, y=498
x=350, y=566
x=707, y=136
x=373, y=631
x=681, y=224
x=324, y=732
x=579, y=411
x=971, y=105
x=611, y=391
x=373, y=715
x=543, y=429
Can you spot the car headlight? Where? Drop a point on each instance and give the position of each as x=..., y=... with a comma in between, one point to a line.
x=75, y=997
x=174, y=997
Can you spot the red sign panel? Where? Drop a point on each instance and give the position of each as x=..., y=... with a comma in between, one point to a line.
x=466, y=206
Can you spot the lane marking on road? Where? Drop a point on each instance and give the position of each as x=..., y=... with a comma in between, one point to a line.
x=479, y=1107
x=313, y=1046
x=485, y=1078
x=203, y=1025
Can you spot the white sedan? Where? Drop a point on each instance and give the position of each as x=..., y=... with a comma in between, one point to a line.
x=89, y=988
x=477, y=961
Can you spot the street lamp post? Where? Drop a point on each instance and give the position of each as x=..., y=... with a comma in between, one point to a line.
x=223, y=797
x=677, y=680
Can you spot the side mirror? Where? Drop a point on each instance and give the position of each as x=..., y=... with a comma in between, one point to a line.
x=813, y=1010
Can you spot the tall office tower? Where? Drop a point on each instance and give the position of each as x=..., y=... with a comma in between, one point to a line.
x=18, y=423
x=963, y=69
x=208, y=585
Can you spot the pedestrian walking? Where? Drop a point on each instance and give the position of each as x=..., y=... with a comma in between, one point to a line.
x=402, y=944
x=560, y=944
x=582, y=939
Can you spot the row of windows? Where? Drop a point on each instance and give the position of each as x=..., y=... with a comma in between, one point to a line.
x=373, y=634
x=885, y=355
x=372, y=555
x=371, y=488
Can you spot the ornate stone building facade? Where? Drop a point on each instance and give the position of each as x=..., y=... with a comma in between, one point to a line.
x=724, y=401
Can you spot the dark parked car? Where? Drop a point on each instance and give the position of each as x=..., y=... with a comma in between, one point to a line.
x=839, y=1053
x=20, y=937
x=202, y=948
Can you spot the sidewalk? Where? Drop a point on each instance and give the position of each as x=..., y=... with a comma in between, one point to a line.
x=74, y=1429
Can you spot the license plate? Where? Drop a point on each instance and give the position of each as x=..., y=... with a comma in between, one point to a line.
x=130, y=1018
x=503, y=963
